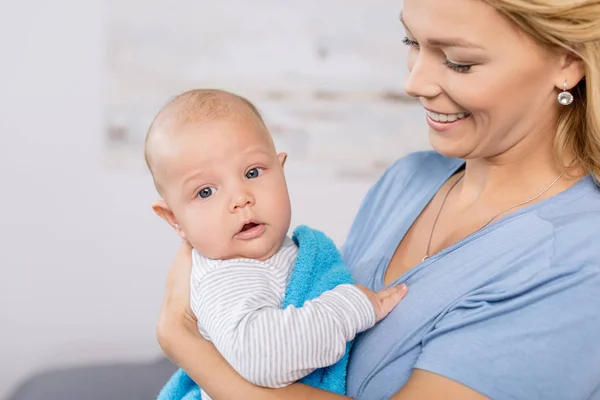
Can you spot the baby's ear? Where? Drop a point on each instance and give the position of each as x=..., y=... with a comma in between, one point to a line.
x=162, y=209
x=282, y=158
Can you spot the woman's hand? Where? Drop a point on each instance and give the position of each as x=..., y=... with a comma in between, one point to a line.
x=178, y=336
x=176, y=317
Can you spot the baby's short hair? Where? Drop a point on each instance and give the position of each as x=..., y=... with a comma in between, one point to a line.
x=194, y=106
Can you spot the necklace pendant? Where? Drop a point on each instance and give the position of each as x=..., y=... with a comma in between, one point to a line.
x=425, y=258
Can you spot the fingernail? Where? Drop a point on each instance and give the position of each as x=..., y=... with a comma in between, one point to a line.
x=403, y=286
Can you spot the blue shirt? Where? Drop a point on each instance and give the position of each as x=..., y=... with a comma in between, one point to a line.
x=512, y=311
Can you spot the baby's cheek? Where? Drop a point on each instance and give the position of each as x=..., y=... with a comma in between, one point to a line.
x=277, y=199
x=196, y=241
x=200, y=232
x=210, y=245
x=282, y=211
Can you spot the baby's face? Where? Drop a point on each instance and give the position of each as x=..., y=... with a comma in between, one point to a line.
x=224, y=184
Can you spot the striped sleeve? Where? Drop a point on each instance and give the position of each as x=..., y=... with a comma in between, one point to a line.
x=238, y=306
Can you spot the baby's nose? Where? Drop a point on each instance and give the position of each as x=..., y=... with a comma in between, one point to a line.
x=241, y=201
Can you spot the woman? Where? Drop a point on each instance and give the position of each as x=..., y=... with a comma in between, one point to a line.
x=495, y=232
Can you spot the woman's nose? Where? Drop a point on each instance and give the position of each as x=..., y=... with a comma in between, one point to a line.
x=422, y=80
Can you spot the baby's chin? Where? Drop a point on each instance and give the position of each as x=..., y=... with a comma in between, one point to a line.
x=257, y=249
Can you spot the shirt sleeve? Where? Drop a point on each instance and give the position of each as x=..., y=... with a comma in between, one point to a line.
x=239, y=308
x=540, y=340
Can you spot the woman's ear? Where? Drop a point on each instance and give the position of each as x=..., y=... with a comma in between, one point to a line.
x=572, y=71
x=282, y=158
x=162, y=209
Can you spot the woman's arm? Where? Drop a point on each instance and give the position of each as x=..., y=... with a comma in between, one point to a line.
x=425, y=385
x=203, y=363
x=180, y=340
x=200, y=359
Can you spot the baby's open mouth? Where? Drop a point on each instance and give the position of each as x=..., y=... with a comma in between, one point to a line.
x=248, y=226
x=251, y=230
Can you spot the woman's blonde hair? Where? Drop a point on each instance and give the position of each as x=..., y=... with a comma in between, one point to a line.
x=573, y=25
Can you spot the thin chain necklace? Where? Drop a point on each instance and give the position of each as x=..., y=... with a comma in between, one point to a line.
x=491, y=219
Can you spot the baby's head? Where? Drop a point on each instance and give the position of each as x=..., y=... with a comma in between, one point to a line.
x=222, y=185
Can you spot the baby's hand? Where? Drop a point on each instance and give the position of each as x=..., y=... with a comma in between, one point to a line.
x=385, y=300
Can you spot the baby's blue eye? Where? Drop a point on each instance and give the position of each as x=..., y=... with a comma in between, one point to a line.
x=206, y=192
x=254, y=173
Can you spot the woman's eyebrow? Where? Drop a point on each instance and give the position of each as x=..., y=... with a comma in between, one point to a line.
x=446, y=42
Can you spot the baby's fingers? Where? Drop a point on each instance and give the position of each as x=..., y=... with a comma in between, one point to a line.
x=389, y=299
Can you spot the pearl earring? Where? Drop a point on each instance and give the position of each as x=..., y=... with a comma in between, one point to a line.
x=565, y=98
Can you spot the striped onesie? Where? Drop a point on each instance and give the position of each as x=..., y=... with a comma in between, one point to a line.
x=238, y=306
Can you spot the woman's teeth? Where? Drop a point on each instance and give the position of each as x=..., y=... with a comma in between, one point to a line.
x=446, y=117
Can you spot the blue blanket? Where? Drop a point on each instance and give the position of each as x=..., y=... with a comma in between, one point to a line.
x=319, y=267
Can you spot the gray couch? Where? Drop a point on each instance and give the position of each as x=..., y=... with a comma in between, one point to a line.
x=99, y=382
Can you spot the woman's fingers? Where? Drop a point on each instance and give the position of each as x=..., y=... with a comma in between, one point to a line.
x=175, y=312
x=178, y=280
x=183, y=258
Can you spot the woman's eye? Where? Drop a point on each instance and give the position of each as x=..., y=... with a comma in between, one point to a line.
x=254, y=173
x=462, y=68
x=410, y=43
x=206, y=192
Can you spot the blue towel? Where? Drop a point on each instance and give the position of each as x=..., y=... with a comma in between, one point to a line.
x=318, y=268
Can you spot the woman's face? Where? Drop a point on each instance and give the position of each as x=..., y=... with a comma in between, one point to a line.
x=469, y=63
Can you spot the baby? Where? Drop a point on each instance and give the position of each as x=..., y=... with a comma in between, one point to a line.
x=223, y=189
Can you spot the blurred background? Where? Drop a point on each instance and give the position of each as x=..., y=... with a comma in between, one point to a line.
x=82, y=256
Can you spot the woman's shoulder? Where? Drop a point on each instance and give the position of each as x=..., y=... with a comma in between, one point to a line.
x=574, y=216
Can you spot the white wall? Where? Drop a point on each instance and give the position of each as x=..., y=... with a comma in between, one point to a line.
x=82, y=258
x=77, y=281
